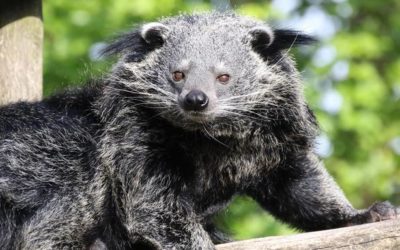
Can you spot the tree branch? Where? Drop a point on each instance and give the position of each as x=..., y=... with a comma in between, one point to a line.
x=379, y=235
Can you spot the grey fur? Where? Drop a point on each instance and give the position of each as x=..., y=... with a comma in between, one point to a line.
x=120, y=164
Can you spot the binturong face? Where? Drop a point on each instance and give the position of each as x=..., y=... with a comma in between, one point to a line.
x=209, y=71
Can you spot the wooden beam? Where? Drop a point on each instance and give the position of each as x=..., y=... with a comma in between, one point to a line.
x=379, y=235
x=21, y=41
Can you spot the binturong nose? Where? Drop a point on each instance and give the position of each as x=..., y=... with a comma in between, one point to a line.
x=195, y=100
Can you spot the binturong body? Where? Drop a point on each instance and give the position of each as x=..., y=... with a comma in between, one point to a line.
x=199, y=108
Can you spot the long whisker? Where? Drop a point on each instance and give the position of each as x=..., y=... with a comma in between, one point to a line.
x=288, y=50
x=212, y=137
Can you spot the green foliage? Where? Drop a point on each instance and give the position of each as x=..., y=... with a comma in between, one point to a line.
x=245, y=219
x=363, y=161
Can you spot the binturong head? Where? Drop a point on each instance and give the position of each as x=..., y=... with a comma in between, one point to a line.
x=209, y=71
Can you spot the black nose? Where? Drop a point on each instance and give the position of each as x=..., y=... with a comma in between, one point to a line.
x=195, y=100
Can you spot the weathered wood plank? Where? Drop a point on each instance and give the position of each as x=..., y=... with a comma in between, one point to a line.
x=379, y=236
x=21, y=39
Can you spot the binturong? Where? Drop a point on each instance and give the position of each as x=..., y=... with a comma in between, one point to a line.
x=199, y=108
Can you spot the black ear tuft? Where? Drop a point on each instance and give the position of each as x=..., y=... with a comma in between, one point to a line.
x=126, y=42
x=285, y=39
x=281, y=39
x=138, y=43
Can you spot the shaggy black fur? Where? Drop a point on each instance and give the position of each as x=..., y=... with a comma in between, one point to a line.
x=119, y=164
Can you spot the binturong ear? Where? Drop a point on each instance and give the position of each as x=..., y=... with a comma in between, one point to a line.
x=261, y=36
x=154, y=33
x=267, y=42
x=137, y=44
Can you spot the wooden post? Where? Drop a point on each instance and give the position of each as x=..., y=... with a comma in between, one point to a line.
x=21, y=41
x=379, y=235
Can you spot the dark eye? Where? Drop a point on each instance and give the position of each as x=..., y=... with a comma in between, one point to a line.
x=223, y=78
x=178, y=76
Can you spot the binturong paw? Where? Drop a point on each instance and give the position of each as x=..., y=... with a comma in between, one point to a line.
x=382, y=211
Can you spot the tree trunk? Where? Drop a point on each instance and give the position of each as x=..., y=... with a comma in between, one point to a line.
x=21, y=39
x=380, y=235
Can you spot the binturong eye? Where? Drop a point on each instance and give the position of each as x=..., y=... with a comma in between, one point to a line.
x=178, y=76
x=223, y=78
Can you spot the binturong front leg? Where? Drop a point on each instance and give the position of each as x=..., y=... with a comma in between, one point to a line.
x=158, y=216
x=303, y=194
x=160, y=228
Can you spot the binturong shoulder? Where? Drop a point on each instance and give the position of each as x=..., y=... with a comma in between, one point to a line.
x=217, y=71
